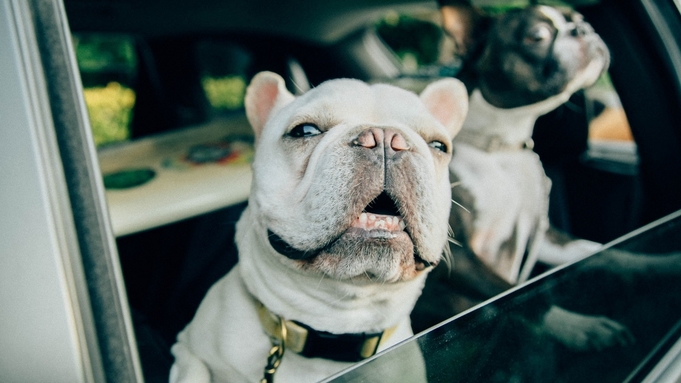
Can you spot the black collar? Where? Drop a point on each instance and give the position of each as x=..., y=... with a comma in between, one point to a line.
x=311, y=343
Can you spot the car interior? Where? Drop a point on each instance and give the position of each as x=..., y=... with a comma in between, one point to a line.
x=178, y=178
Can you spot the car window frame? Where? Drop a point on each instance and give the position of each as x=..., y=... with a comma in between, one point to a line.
x=87, y=304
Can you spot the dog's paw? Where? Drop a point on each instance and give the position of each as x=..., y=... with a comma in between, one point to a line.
x=554, y=253
x=583, y=332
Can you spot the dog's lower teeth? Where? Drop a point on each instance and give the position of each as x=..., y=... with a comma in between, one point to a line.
x=368, y=221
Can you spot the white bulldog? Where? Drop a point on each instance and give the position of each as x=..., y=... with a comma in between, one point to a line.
x=347, y=214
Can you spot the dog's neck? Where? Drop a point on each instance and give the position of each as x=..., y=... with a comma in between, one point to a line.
x=317, y=301
x=512, y=126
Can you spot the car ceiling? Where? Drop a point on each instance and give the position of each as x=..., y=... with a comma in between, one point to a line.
x=316, y=21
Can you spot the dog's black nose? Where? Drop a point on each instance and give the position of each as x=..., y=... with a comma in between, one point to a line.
x=374, y=137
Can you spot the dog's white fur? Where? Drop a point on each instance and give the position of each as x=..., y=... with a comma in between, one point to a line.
x=301, y=191
x=510, y=192
x=510, y=187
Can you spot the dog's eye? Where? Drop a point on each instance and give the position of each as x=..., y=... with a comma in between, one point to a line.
x=304, y=130
x=438, y=145
x=538, y=34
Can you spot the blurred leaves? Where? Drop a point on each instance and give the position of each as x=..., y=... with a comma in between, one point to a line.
x=110, y=110
x=415, y=41
x=108, y=65
x=225, y=92
x=97, y=53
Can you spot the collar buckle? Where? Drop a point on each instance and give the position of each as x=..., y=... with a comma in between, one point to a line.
x=311, y=343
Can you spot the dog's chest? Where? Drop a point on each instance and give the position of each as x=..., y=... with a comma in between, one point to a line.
x=507, y=197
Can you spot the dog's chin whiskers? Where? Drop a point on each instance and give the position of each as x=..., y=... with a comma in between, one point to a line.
x=378, y=311
x=320, y=281
x=450, y=237
x=347, y=294
x=454, y=241
x=455, y=184
x=461, y=206
x=448, y=258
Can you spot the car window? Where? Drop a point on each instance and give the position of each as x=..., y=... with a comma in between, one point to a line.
x=109, y=66
x=132, y=95
x=630, y=284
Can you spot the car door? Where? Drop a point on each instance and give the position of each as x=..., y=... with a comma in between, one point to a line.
x=64, y=315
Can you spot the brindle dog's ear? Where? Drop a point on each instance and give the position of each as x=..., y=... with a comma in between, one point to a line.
x=266, y=91
x=466, y=24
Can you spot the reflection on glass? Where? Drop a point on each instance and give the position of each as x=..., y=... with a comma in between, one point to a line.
x=608, y=318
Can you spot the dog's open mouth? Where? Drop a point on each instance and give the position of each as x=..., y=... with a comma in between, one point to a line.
x=380, y=224
x=382, y=218
x=381, y=214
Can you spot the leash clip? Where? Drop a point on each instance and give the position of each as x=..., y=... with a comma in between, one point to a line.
x=276, y=353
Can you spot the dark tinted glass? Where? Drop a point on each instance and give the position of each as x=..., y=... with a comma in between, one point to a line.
x=608, y=318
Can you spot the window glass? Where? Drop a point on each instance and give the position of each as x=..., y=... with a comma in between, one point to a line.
x=611, y=317
x=610, y=121
x=108, y=66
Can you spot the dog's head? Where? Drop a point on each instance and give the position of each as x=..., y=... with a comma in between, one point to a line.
x=351, y=180
x=527, y=55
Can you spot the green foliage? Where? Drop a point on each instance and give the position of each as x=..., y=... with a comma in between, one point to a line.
x=495, y=7
x=411, y=38
x=498, y=9
x=96, y=53
x=110, y=110
x=107, y=65
x=225, y=93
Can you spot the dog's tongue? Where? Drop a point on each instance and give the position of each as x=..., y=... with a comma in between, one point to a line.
x=369, y=221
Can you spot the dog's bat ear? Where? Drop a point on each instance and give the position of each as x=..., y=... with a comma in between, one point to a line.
x=266, y=92
x=464, y=23
x=447, y=101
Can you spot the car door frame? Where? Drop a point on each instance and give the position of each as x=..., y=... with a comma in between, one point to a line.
x=65, y=312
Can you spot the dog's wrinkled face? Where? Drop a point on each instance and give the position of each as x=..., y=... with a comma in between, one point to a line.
x=351, y=180
x=537, y=52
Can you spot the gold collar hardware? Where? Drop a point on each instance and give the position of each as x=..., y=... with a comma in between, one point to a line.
x=305, y=341
x=276, y=353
